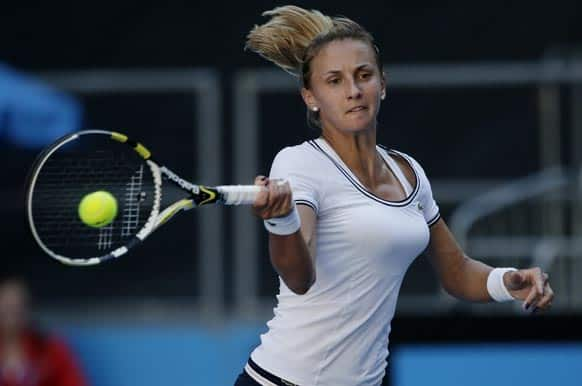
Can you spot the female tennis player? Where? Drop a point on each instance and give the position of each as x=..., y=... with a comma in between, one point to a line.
x=351, y=218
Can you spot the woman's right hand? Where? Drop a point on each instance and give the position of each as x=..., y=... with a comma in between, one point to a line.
x=274, y=201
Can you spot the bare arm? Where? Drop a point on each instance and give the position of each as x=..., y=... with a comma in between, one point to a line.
x=461, y=276
x=466, y=278
x=291, y=255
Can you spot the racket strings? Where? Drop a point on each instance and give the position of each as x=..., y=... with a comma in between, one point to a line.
x=66, y=178
x=105, y=237
x=132, y=198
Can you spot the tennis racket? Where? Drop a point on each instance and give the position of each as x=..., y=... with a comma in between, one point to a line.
x=148, y=195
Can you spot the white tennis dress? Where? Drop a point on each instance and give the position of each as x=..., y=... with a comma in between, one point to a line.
x=337, y=333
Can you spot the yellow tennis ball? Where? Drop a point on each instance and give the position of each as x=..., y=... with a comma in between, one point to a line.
x=98, y=209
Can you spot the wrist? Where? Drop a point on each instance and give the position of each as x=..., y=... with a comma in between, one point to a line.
x=496, y=286
x=284, y=226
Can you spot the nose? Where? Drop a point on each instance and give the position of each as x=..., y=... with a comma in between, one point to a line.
x=353, y=90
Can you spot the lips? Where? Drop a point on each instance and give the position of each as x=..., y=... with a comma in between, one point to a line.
x=355, y=109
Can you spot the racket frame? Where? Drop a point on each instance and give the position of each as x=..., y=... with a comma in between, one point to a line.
x=197, y=195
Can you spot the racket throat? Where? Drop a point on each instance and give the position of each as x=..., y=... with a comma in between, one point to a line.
x=200, y=195
x=182, y=183
x=207, y=196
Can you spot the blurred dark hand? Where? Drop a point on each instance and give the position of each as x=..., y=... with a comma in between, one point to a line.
x=531, y=286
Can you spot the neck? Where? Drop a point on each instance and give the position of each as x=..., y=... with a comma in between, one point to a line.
x=358, y=151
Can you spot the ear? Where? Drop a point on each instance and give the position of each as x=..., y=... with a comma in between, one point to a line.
x=308, y=98
x=383, y=84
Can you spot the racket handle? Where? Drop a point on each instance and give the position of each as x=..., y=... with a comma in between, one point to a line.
x=239, y=194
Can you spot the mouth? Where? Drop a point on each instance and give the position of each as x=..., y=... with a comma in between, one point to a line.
x=357, y=109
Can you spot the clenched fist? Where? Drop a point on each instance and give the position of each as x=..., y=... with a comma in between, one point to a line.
x=276, y=200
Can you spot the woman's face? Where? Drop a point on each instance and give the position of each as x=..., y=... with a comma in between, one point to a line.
x=346, y=86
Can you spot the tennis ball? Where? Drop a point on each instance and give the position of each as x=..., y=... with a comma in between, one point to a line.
x=98, y=209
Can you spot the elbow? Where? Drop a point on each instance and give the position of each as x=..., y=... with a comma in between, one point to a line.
x=451, y=290
x=301, y=288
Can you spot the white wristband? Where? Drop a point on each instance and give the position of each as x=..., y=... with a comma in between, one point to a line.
x=284, y=226
x=496, y=287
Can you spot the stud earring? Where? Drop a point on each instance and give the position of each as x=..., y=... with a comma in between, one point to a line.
x=383, y=96
x=315, y=108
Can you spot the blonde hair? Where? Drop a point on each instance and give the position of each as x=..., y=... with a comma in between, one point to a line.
x=284, y=39
x=293, y=37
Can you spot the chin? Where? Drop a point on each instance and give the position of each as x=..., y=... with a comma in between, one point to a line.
x=358, y=126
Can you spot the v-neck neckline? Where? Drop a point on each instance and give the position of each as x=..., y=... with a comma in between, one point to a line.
x=327, y=149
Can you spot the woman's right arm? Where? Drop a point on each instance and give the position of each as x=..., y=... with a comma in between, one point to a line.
x=292, y=255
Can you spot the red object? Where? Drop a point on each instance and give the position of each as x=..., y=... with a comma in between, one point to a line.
x=48, y=362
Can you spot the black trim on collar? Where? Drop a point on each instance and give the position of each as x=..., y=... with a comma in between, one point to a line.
x=362, y=189
x=406, y=158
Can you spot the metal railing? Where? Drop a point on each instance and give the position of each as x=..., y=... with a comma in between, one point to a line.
x=502, y=197
x=559, y=254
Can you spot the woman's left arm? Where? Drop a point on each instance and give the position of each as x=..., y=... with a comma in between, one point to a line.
x=466, y=279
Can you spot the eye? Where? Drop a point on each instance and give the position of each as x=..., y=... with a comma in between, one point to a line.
x=333, y=81
x=365, y=75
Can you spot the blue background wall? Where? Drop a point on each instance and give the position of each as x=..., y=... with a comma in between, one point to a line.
x=156, y=356
x=194, y=355
x=486, y=365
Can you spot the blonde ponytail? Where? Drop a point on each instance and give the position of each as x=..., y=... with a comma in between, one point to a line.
x=285, y=38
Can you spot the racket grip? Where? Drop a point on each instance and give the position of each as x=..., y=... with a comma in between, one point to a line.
x=239, y=194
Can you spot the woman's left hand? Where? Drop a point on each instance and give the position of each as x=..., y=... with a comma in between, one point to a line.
x=531, y=286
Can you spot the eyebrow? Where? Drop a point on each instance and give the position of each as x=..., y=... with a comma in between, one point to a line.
x=333, y=72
